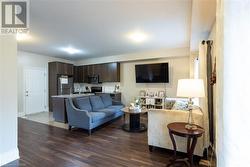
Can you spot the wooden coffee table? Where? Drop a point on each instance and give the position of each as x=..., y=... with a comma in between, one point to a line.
x=178, y=128
x=134, y=124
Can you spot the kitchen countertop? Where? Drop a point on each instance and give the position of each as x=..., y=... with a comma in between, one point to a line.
x=109, y=92
x=73, y=95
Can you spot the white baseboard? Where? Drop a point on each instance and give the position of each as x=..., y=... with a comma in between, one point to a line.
x=9, y=156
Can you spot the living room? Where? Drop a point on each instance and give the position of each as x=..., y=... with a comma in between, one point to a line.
x=123, y=83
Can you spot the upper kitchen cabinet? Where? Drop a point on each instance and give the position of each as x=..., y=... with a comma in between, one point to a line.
x=62, y=68
x=111, y=72
x=99, y=70
x=114, y=70
x=108, y=72
x=79, y=74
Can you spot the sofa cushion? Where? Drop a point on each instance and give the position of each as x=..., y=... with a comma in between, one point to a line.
x=106, y=99
x=96, y=102
x=83, y=103
x=96, y=116
x=107, y=111
x=180, y=105
x=169, y=104
x=116, y=107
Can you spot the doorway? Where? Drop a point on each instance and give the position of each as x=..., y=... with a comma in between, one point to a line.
x=34, y=90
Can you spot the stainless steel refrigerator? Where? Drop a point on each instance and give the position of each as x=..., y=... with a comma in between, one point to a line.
x=65, y=85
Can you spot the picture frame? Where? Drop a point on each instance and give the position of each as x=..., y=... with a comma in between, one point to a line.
x=161, y=93
x=151, y=94
x=142, y=93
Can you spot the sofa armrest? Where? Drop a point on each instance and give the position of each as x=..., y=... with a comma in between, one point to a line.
x=77, y=117
x=160, y=118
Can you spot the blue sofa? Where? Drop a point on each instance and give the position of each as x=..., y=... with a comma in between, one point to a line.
x=90, y=112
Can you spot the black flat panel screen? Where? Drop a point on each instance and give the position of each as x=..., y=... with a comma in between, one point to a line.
x=152, y=73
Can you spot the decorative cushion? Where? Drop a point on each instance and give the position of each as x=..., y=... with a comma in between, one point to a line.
x=170, y=104
x=83, y=103
x=96, y=102
x=180, y=105
x=96, y=116
x=106, y=99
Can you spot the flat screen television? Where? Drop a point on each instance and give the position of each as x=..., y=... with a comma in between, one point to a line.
x=152, y=73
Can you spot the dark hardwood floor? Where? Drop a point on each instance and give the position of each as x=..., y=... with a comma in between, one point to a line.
x=47, y=146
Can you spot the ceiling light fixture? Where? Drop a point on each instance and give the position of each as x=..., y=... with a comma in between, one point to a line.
x=22, y=37
x=71, y=50
x=137, y=36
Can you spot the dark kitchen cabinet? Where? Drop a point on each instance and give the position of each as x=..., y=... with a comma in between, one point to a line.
x=99, y=70
x=76, y=74
x=90, y=70
x=63, y=68
x=59, y=109
x=111, y=72
x=85, y=71
x=56, y=69
x=79, y=74
x=108, y=72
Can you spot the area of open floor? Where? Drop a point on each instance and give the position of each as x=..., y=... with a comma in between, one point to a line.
x=45, y=118
x=124, y=83
x=44, y=145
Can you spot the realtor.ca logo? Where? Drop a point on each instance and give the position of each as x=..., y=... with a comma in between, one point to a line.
x=14, y=16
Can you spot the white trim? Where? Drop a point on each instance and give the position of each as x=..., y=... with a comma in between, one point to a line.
x=21, y=114
x=9, y=156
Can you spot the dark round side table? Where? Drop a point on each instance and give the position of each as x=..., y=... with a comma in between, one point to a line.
x=178, y=129
x=134, y=124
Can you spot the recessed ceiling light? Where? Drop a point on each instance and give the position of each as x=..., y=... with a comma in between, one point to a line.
x=22, y=37
x=137, y=36
x=71, y=50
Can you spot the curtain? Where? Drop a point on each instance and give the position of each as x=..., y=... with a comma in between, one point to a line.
x=204, y=70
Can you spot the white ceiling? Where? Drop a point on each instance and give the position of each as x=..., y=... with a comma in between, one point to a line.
x=99, y=27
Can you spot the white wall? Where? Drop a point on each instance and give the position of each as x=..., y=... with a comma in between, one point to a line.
x=8, y=100
x=233, y=41
x=25, y=60
x=179, y=68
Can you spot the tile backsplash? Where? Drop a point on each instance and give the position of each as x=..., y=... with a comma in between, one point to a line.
x=106, y=87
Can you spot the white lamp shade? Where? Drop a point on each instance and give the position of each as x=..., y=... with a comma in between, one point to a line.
x=190, y=88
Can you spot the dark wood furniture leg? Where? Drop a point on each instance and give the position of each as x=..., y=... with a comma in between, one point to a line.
x=124, y=117
x=134, y=120
x=190, y=151
x=178, y=129
x=134, y=124
x=173, y=142
x=90, y=132
x=174, y=146
x=151, y=148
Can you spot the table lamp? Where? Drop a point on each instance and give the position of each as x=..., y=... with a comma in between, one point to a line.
x=190, y=88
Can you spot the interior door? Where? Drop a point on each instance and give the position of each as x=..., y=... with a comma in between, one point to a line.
x=34, y=90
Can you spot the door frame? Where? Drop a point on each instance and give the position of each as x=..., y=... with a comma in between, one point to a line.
x=45, y=86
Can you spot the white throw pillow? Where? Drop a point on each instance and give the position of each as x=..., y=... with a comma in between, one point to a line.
x=180, y=105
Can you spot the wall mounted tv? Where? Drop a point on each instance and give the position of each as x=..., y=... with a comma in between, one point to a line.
x=152, y=73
